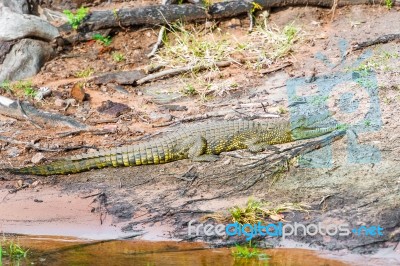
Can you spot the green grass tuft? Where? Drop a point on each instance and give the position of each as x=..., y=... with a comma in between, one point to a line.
x=248, y=252
x=75, y=19
x=104, y=40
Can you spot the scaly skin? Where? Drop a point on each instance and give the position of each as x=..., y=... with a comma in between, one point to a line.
x=199, y=143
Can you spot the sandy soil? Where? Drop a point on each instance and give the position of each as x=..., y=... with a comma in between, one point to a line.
x=111, y=203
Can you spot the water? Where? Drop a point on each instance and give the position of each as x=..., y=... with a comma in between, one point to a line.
x=72, y=251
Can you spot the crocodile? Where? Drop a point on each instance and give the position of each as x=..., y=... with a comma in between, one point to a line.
x=203, y=142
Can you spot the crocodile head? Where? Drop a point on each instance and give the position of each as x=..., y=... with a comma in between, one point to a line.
x=313, y=132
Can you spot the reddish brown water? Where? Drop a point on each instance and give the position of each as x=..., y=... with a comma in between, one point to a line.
x=70, y=251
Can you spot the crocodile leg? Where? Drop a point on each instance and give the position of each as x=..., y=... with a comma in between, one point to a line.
x=198, y=149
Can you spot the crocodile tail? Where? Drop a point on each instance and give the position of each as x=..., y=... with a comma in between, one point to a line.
x=122, y=156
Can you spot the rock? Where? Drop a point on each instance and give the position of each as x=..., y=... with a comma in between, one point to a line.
x=13, y=152
x=174, y=107
x=123, y=129
x=60, y=102
x=42, y=93
x=159, y=117
x=71, y=101
x=37, y=158
x=110, y=128
x=17, y=6
x=121, y=77
x=5, y=48
x=112, y=108
x=16, y=26
x=25, y=59
x=118, y=88
x=78, y=92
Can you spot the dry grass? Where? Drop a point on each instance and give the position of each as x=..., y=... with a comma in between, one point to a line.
x=256, y=211
x=202, y=47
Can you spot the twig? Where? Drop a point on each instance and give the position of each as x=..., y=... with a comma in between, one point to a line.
x=251, y=18
x=176, y=71
x=200, y=117
x=202, y=199
x=166, y=124
x=333, y=10
x=105, y=121
x=324, y=198
x=79, y=131
x=91, y=195
x=158, y=43
x=276, y=68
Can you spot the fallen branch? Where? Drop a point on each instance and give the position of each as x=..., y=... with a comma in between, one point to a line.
x=158, y=43
x=176, y=71
x=25, y=111
x=382, y=39
x=38, y=148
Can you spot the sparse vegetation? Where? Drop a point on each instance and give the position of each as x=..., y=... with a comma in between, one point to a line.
x=207, y=3
x=184, y=46
x=389, y=4
x=248, y=252
x=6, y=85
x=19, y=88
x=75, y=19
x=12, y=251
x=104, y=40
x=255, y=7
x=85, y=73
x=378, y=62
x=118, y=57
x=189, y=90
x=282, y=110
x=273, y=43
x=256, y=211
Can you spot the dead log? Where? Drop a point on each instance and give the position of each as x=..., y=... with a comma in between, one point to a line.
x=380, y=40
x=162, y=14
x=25, y=111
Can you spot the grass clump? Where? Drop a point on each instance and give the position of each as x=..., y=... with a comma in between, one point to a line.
x=272, y=43
x=6, y=86
x=191, y=48
x=85, y=73
x=207, y=48
x=104, y=40
x=195, y=48
x=75, y=19
x=256, y=211
x=389, y=4
x=380, y=61
x=248, y=252
x=19, y=88
x=118, y=57
x=12, y=251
